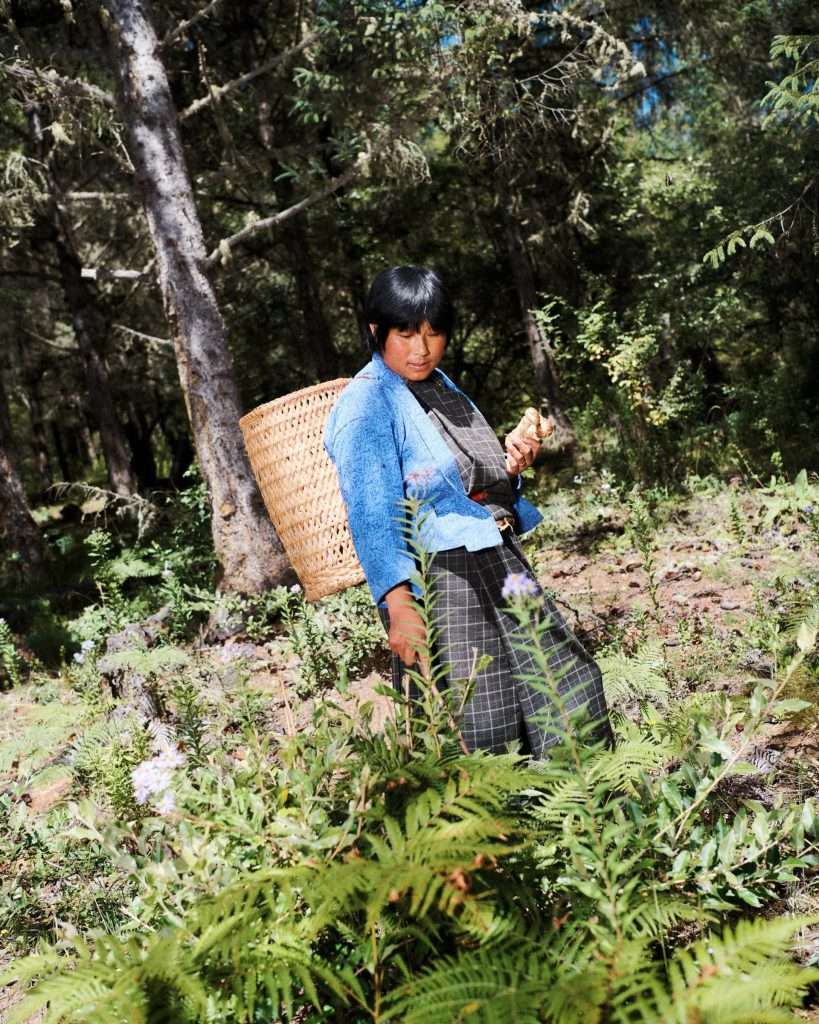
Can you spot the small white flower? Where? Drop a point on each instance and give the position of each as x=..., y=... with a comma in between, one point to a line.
x=295, y=589
x=166, y=804
x=170, y=759
x=88, y=645
x=149, y=778
x=153, y=777
x=79, y=657
x=578, y=479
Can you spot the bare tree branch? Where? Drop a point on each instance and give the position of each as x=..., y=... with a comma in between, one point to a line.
x=50, y=342
x=658, y=80
x=104, y=274
x=223, y=249
x=183, y=26
x=159, y=342
x=82, y=197
x=236, y=83
x=58, y=83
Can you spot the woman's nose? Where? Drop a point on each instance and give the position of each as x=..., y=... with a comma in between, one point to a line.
x=420, y=344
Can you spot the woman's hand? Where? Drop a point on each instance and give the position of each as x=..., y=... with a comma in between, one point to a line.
x=407, y=636
x=520, y=453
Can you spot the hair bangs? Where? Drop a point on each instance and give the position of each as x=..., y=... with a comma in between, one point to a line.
x=404, y=298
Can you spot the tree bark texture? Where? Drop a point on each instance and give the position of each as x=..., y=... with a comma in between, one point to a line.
x=543, y=361
x=32, y=371
x=90, y=326
x=89, y=322
x=246, y=544
x=17, y=527
x=318, y=336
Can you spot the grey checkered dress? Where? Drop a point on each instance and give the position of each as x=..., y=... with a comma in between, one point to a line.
x=506, y=708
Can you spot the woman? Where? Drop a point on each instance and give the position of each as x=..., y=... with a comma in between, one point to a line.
x=402, y=427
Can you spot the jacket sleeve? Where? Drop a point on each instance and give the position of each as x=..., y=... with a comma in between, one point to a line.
x=365, y=454
x=527, y=516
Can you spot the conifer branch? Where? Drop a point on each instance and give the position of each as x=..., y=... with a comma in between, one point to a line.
x=223, y=249
x=60, y=84
x=183, y=26
x=218, y=91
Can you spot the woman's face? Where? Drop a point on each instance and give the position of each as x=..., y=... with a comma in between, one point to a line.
x=413, y=353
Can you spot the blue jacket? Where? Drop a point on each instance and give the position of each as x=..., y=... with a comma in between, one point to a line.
x=385, y=449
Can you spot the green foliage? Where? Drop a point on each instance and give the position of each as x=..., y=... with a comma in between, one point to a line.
x=785, y=500
x=796, y=96
x=795, y=100
x=642, y=529
x=736, y=522
x=391, y=875
x=638, y=677
x=11, y=664
x=262, y=613
x=651, y=395
x=51, y=878
x=104, y=757
x=334, y=640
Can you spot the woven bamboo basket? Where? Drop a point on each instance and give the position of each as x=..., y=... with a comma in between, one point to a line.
x=284, y=440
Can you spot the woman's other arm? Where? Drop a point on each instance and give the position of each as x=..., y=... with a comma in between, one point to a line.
x=369, y=474
x=407, y=637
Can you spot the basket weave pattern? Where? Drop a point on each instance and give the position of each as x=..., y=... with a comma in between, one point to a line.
x=284, y=440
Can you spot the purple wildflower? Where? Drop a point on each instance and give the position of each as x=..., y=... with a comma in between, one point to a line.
x=519, y=586
x=418, y=480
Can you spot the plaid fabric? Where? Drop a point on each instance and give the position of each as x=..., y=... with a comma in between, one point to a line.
x=481, y=459
x=505, y=708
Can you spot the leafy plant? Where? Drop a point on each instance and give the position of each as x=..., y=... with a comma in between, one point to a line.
x=642, y=529
x=781, y=498
x=105, y=757
x=393, y=876
x=11, y=663
x=333, y=640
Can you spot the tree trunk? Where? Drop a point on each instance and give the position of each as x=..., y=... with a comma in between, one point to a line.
x=543, y=362
x=318, y=336
x=139, y=432
x=246, y=545
x=65, y=470
x=90, y=325
x=17, y=527
x=31, y=374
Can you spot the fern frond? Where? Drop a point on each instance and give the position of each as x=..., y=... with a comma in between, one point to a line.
x=118, y=981
x=639, y=677
x=624, y=766
x=484, y=987
x=743, y=976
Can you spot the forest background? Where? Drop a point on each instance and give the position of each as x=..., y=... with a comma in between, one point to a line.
x=567, y=171
x=622, y=198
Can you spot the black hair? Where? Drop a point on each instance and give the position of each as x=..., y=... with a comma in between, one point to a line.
x=404, y=297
